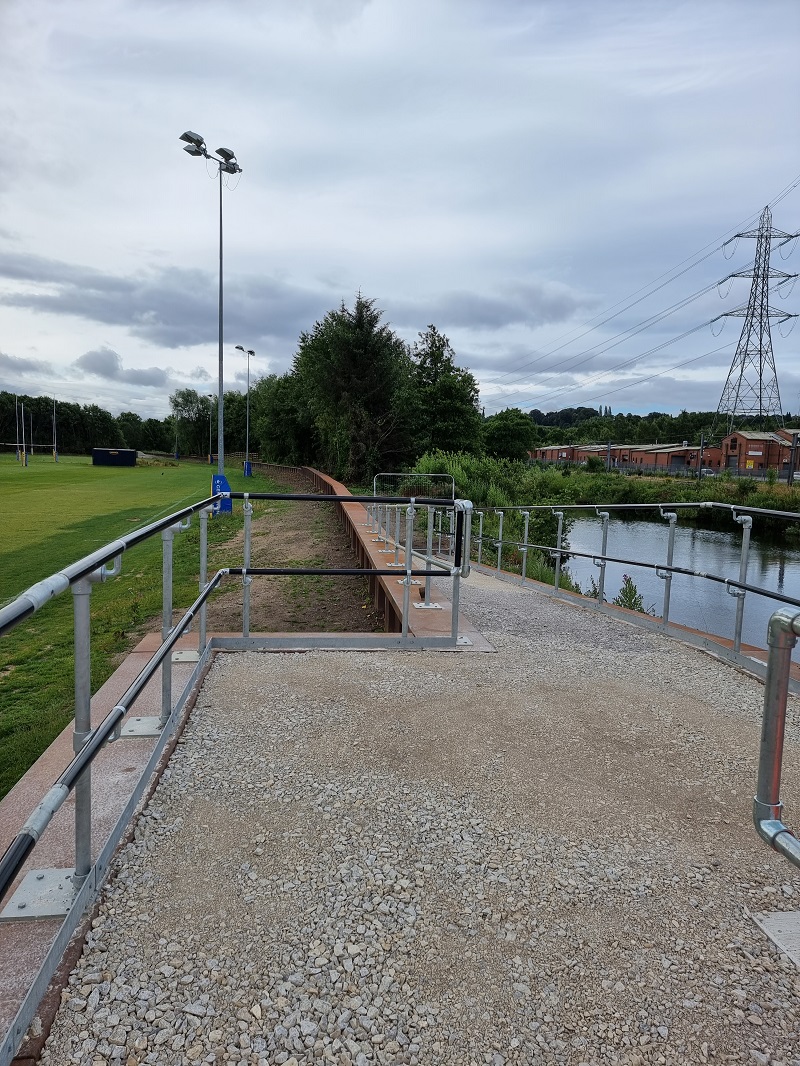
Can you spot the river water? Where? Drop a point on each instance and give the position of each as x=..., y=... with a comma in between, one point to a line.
x=704, y=605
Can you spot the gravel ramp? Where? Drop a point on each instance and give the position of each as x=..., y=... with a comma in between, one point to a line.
x=542, y=855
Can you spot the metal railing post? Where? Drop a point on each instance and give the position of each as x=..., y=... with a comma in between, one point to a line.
x=527, y=516
x=167, y=537
x=672, y=518
x=429, y=553
x=746, y=522
x=409, y=560
x=397, y=538
x=767, y=806
x=454, y=606
x=500, y=540
x=203, y=574
x=81, y=604
x=246, y=579
x=557, y=578
x=480, y=537
x=601, y=584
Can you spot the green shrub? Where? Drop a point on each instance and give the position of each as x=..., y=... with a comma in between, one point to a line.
x=630, y=597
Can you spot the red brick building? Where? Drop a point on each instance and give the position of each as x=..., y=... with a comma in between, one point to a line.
x=747, y=452
x=641, y=456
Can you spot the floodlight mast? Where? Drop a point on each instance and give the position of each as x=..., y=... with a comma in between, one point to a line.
x=225, y=159
x=248, y=352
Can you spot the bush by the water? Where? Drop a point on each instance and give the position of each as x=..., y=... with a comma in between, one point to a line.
x=497, y=483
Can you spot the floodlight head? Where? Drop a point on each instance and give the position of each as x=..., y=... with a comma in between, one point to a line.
x=192, y=149
x=192, y=138
x=239, y=348
x=250, y=351
x=226, y=154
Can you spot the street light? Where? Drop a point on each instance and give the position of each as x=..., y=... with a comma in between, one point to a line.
x=210, y=395
x=248, y=352
x=226, y=164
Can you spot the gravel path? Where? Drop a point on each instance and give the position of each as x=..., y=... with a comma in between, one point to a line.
x=543, y=855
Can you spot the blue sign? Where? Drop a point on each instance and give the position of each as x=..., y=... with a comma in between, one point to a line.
x=219, y=483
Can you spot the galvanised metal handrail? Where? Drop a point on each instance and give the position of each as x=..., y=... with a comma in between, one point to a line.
x=43, y=591
x=87, y=742
x=784, y=628
x=782, y=632
x=93, y=567
x=743, y=515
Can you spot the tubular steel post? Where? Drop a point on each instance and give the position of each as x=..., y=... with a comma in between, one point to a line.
x=429, y=553
x=557, y=579
x=397, y=537
x=480, y=537
x=500, y=540
x=466, y=552
x=601, y=584
x=409, y=560
x=454, y=606
x=246, y=580
x=81, y=604
x=746, y=522
x=203, y=574
x=439, y=531
x=527, y=516
x=672, y=518
x=451, y=542
x=167, y=537
x=767, y=806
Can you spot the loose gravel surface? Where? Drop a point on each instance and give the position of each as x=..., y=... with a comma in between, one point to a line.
x=543, y=855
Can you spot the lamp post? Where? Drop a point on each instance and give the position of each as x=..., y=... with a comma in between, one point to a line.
x=226, y=164
x=210, y=396
x=248, y=352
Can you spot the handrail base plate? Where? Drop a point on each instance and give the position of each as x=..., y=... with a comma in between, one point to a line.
x=783, y=929
x=42, y=894
x=141, y=727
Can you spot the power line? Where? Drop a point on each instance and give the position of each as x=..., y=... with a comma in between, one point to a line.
x=658, y=374
x=648, y=290
x=579, y=386
x=618, y=338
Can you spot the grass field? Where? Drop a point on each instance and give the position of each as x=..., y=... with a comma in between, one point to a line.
x=54, y=514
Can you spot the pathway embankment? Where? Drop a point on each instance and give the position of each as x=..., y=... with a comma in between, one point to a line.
x=543, y=855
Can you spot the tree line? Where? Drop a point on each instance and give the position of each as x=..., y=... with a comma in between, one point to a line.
x=357, y=400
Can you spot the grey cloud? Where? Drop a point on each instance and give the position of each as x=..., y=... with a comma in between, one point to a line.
x=177, y=308
x=172, y=307
x=532, y=304
x=200, y=374
x=106, y=363
x=18, y=365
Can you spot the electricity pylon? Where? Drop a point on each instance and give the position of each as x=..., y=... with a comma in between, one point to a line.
x=752, y=386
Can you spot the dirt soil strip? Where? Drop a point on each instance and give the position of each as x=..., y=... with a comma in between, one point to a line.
x=289, y=533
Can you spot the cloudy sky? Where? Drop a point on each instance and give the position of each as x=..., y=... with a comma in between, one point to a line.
x=538, y=178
